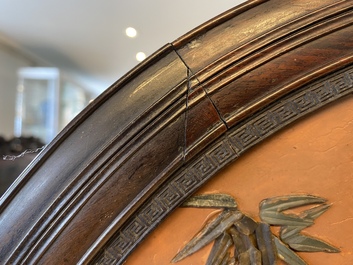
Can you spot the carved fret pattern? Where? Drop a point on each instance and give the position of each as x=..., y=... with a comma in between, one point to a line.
x=108, y=258
x=185, y=181
x=136, y=228
x=204, y=167
x=170, y=195
x=238, y=140
x=167, y=199
x=290, y=109
x=222, y=153
x=152, y=211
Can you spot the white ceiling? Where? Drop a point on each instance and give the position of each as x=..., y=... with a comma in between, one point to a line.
x=86, y=38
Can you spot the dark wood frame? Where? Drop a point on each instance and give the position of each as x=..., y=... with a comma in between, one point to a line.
x=156, y=135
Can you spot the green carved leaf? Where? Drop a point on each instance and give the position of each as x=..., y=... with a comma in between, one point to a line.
x=266, y=245
x=286, y=254
x=276, y=218
x=208, y=233
x=220, y=249
x=301, y=242
x=211, y=201
x=315, y=212
x=281, y=203
x=253, y=242
x=271, y=210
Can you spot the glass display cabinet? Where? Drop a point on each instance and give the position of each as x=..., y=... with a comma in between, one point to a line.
x=46, y=102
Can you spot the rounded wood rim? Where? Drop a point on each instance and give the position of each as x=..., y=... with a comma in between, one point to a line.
x=156, y=135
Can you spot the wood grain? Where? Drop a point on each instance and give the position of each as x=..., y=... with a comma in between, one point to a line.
x=80, y=199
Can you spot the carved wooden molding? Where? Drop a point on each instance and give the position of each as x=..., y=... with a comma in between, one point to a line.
x=225, y=150
x=156, y=135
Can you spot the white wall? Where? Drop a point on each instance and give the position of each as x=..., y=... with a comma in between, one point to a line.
x=13, y=57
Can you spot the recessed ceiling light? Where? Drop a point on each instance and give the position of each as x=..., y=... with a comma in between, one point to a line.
x=140, y=56
x=131, y=32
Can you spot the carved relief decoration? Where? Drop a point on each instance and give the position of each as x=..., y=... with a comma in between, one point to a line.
x=227, y=149
x=239, y=239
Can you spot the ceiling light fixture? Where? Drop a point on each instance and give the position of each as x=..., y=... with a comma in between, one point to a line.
x=131, y=32
x=140, y=56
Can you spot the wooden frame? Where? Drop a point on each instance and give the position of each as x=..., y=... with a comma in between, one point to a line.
x=156, y=135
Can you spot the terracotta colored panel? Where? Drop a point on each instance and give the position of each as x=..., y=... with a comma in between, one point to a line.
x=312, y=156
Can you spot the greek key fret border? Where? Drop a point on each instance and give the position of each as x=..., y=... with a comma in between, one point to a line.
x=226, y=150
x=293, y=107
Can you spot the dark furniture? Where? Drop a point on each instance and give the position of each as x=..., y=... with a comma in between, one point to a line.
x=156, y=135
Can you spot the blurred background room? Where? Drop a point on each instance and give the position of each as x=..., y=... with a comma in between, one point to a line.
x=58, y=56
